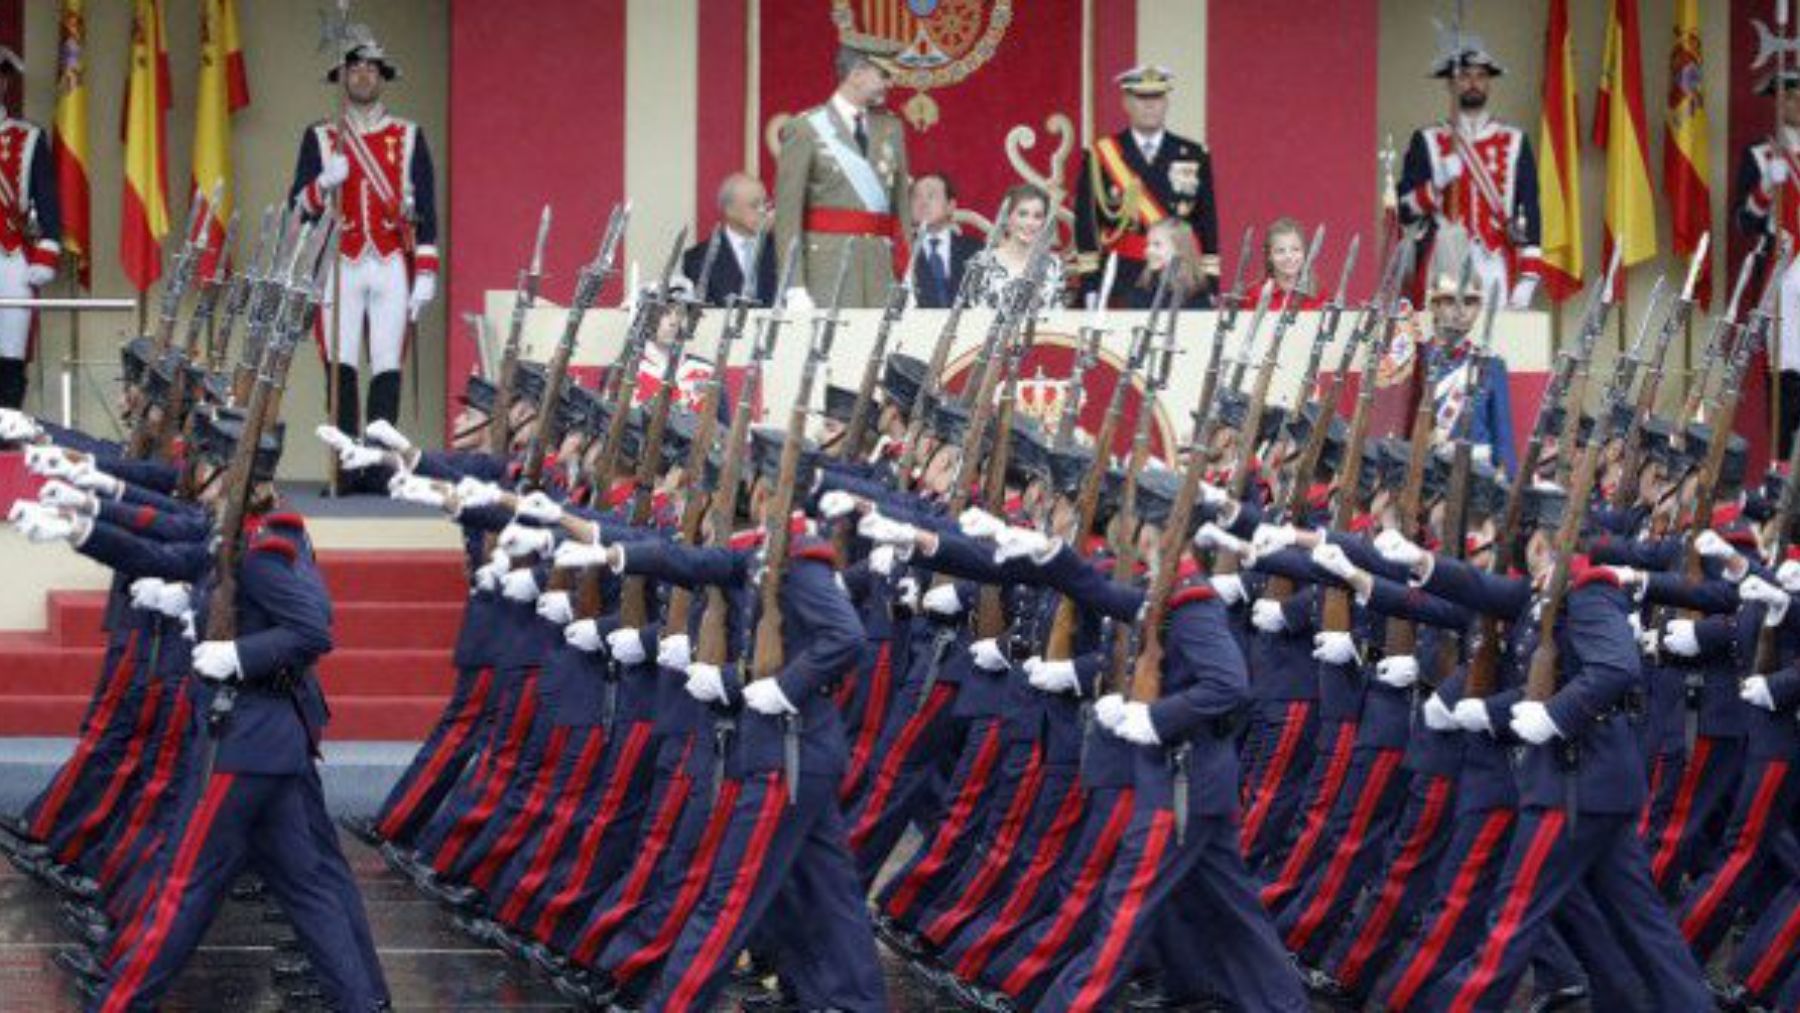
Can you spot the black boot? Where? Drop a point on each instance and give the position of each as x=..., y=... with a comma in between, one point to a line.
x=349, y=419
x=384, y=397
x=12, y=383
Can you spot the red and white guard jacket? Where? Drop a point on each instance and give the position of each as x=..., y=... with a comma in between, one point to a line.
x=390, y=169
x=28, y=188
x=1495, y=198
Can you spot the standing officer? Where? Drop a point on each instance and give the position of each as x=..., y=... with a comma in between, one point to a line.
x=1767, y=181
x=374, y=171
x=842, y=174
x=1138, y=177
x=30, y=227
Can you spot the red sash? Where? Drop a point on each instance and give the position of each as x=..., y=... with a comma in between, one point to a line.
x=856, y=222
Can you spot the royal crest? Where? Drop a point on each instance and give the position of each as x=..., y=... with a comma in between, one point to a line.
x=941, y=42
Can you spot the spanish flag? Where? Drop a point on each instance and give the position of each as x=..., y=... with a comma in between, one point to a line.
x=1687, y=179
x=1630, y=208
x=1559, y=160
x=144, y=219
x=69, y=137
x=223, y=90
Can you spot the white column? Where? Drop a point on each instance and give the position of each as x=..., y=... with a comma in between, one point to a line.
x=661, y=104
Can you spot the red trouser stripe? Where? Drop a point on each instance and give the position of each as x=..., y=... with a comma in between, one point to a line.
x=1750, y=838
x=506, y=757
x=160, y=777
x=1500, y=934
x=1456, y=903
x=169, y=894
x=622, y=776
x=121, y=776
x=743, y=884
x=699, y=870
x=1658, y=767
x=527, y=816
x=1093, y=873
x=874, y=715
x=561, y=819
x=1318, y=809
x=962, y=810
x=1025, y=891
x=889, y=772
x=1348, y=850
x=662, y=828
x=116, y=682
x=1293, y=725
x=999, y=853
x=462, y=725
x=1393, y=888
x=1682, y=811
x=1763, y=974
x=1118, y=934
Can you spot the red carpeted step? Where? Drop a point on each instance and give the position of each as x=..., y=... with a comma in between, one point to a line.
x=74, y=619
x=400, y=719
x=383, y=575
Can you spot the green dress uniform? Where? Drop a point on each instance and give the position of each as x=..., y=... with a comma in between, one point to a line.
x=828, y=191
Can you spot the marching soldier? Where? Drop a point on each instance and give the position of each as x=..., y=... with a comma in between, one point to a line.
x=1476, y=172
x=842, y=174
x=1138, y=177
x=30, y=228
x=373, y=171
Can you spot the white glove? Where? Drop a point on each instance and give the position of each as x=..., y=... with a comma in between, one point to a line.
x=836, y=503
x=882, y=531
x=1399, y=671
x=335, y=170
x=764, y=696
x=1230, y=588
x=539, y=507
x=413, y=489
x=1755, y=692
x=144, y=593
x=675, y=652
x=1109, y=710
x=1213, y=496
x=187, y=627
x=1332, y=559
x=978, y=523
x=1680, y=638
x=1472, y=716
x=942, y=600
x=1710, y=545
x=1396, y=548
x=217, y=660
x=382, y=433
x=487, y=577
x=1051, y=676
x=1522, y=291
x=573, y=555
x=583, y=636
x=1135, y=725
x=1438, y=717
x=50, y=462
x=881, y=560
x=1272, y=538
x=1333, y=648
x=1756, y=589
x=706, y=683
x=1211, y=536
x=18, y=427
x=1266, y=615
x=906, y=594
x=1777, y=171
x=1447, y=171
x=424, y=289
x=519, y=585
x=1649, y=642
x=357, y=457
x=626, y=645
x=335, y=438
x=57, y=493
x=1021, y=543
x=1788, y=576
x=39, y=524
x=1629, y=577
x=798, y=300
x=988, y=656
x=554, y=607
x=1531, y=722
x=517, y=541
x=97, y=482
x=175, y=600
x=474, y=494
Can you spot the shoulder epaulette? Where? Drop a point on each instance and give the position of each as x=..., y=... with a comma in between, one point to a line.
x=276, y=545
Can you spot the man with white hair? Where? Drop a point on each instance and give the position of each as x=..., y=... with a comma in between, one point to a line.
x=743, y=206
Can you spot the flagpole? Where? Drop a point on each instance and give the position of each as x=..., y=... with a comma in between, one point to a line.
x=1778, y=149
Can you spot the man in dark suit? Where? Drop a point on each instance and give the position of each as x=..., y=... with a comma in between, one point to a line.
x=943, y=251
x=743, y=204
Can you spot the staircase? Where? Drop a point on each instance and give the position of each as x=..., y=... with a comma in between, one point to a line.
x=395, y=615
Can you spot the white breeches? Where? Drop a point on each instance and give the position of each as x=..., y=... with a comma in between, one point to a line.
x=15, y=325
x=1790, y=319
x=373, y=293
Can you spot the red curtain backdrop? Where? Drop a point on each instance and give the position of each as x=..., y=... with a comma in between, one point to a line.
x=1749, y=119
x=537, y=113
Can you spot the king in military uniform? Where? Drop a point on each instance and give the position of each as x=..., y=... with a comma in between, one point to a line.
x=1138, y=177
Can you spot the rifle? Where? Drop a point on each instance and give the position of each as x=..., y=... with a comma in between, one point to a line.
x=547, y=435
x=1631, y=457
x=175, y=409
x=145, y=430
x=1768, y=658
x=990, y=606
x=1721, y=333
x=261, y=303
x=1087, y=355
x=1458, y=488
x=621, y=380
x=237, y=295
x=524, y=298
x=1593, y=323
x=1233, y=299
x=850, y=447
x=770, y=653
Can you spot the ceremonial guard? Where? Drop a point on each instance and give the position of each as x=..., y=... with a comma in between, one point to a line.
x=1138, y=177
x=372, y=171
x=1474, y=171
x=842, y=174
x=30, y=228
x=1768, y=180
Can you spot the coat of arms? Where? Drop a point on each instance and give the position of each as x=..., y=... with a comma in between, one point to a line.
x=942, y=41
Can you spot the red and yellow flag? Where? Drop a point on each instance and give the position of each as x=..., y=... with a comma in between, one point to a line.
x=69, y=137
x=1559, y=160
x=223, y=90
x=1619, y=129
x=1687, y=178
x=144, y=219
